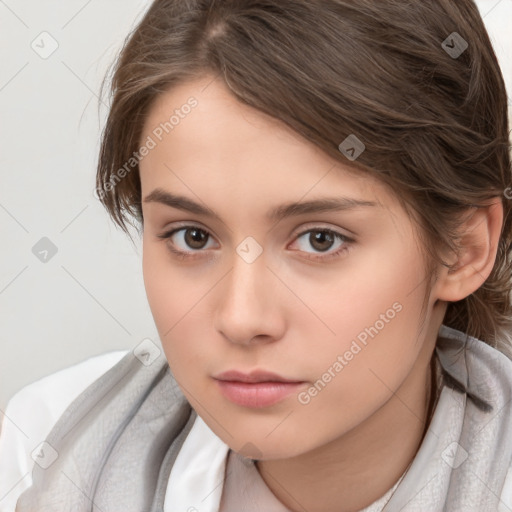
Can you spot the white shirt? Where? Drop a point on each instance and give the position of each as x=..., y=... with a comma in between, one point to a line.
x=30, y=416
x=32, y=412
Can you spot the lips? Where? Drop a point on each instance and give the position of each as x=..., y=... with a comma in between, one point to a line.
x=255, y=376
x=257, y=389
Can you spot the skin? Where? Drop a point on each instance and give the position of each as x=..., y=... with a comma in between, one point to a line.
x=287, y=313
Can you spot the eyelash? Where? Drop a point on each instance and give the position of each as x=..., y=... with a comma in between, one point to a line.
x=192, y=254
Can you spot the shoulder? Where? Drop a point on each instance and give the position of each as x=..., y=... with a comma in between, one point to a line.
x=47, y=398
x=31, y=414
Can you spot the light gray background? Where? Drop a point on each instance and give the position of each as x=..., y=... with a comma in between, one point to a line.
x=89, y=298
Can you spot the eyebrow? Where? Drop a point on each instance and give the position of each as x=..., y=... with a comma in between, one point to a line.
x=325, y=204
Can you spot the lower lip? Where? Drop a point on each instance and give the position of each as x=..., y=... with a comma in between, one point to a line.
x=258, y=394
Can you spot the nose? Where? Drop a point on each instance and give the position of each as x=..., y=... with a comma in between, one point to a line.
x=248, y=310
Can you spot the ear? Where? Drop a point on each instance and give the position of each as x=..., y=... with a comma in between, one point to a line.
x=479, y=237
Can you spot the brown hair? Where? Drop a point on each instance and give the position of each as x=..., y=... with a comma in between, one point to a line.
x=429, y=105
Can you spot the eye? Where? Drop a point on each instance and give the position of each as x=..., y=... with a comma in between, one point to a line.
x=187, y=240
x=322, y=240
x=189, y=237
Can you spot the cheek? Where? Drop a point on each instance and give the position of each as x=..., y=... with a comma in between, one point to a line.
x=176, y=299
x=162, y=296
x=374, y=297
x=356, y=371
x=370, y=334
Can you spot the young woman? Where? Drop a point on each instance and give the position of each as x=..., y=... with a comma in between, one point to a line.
x=323, y=189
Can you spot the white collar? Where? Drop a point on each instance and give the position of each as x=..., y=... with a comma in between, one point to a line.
x=197, y=476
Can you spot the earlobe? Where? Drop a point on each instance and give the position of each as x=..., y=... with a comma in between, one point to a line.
x=478, y=242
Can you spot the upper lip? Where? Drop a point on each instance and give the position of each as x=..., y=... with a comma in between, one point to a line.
x=254, y=376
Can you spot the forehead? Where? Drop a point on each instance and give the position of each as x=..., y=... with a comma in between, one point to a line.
x=206, y=140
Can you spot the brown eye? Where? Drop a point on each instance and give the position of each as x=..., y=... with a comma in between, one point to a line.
x=195, y=238
x=187, y=240
x=321, y=240
x=313, y=242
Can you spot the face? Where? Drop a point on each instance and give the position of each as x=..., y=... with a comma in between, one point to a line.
x=329, y=300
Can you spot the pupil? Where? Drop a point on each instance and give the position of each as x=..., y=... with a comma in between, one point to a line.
x=321, y=236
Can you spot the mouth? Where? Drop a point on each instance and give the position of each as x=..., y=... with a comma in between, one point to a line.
x=257, y=389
